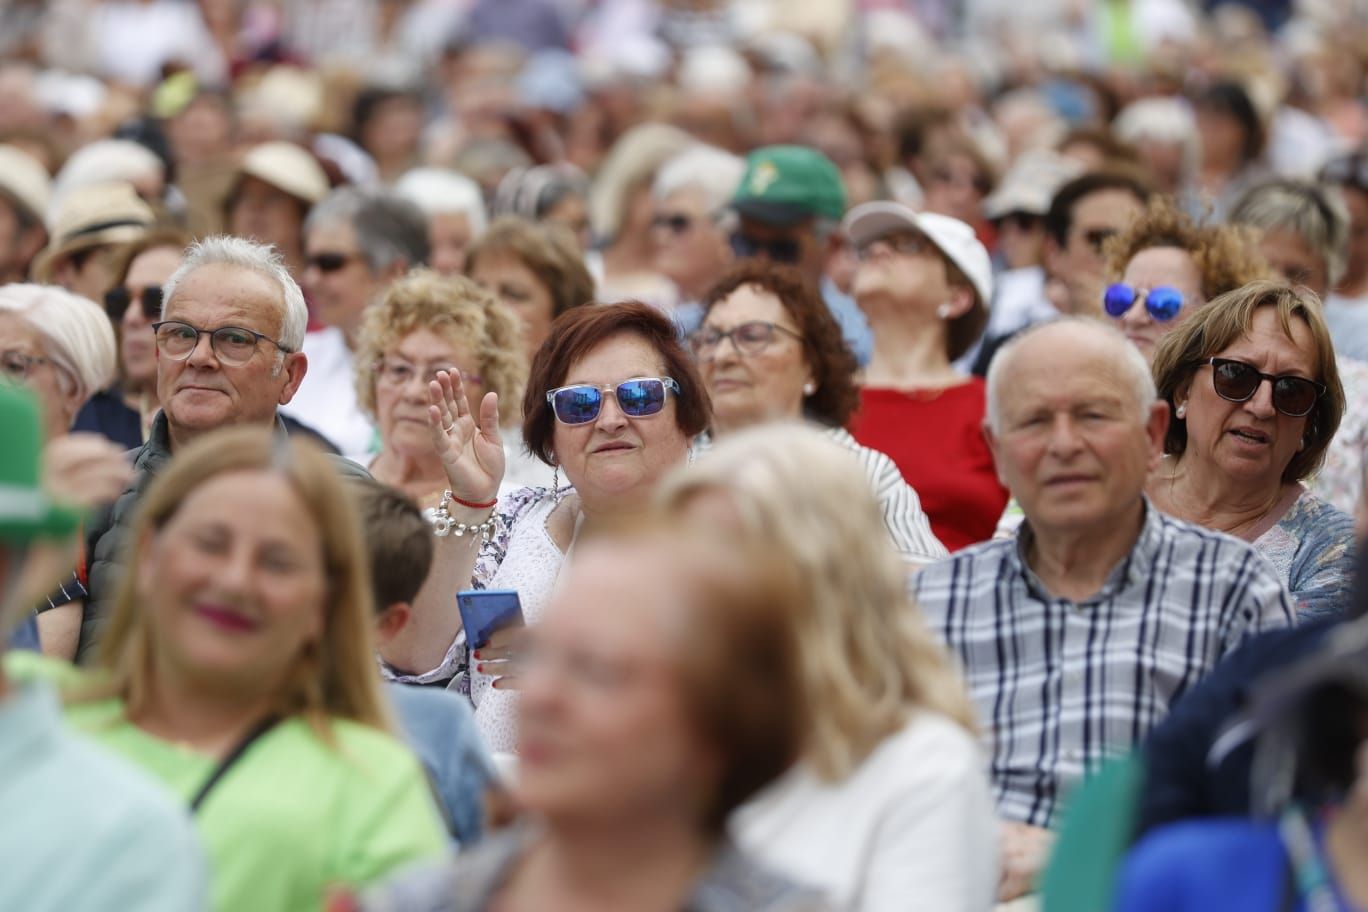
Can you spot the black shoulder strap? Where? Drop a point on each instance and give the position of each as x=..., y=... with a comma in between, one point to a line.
x=232, y=758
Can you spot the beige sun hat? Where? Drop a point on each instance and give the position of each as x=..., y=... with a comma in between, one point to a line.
x=25, y=180
x=288, y=168
x=93, y=216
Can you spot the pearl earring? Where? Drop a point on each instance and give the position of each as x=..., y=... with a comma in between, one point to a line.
x=943, y=311
x=809, y=388
x=1181, y=412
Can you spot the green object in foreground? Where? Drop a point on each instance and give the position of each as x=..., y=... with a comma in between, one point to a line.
x=1099, y=824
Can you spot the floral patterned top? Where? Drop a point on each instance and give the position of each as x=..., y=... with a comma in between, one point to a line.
x=1340, y=480
x=1312, y=548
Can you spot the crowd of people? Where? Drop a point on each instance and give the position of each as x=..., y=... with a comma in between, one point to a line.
x=683, y=454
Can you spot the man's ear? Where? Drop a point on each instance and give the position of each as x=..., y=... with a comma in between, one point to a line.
x=29, y=244
x=391, y=621
x=294, y=366
x=1053, y=256
x=994, y=444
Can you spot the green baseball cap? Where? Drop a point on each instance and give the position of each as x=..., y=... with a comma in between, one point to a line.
x=26, y=512
x=786, y=184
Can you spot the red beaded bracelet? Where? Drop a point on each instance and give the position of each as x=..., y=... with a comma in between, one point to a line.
x=470, y=504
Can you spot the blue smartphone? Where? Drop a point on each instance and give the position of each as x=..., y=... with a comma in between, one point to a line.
x=483, y=611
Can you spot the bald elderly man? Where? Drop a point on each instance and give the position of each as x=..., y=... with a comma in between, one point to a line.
x=1078, y=634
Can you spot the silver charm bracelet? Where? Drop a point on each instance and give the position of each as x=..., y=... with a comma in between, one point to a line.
x=443, y=525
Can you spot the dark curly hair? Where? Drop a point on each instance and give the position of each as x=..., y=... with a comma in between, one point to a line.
x=832, y=363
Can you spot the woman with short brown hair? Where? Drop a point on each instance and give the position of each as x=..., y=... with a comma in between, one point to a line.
x=1256, y=400
x=613, y=400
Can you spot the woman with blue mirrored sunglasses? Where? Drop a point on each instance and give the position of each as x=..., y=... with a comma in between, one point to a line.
x=639, y=397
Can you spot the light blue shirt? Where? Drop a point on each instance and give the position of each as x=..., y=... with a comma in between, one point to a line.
x=859, y=338
x=80, y=829
x=439, y=727
x=1348, y=322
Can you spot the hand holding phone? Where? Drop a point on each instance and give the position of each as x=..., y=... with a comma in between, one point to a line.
x=484, y=611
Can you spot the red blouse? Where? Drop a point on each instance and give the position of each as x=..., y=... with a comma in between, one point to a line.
x=936, y=439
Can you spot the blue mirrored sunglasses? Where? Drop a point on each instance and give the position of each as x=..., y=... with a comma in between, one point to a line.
x=1162, y=301
x=638, y=397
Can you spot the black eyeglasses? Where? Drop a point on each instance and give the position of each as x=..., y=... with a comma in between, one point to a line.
x=1162, y=301
x=903, y=244
x=16, y=366
x=329, y=262
x=749, y=338
x=118, y=299
x=233, y=345
x=674, y=223
x=639, y=397
x=1236, y=381
x=781, y=250
x=1022, y=221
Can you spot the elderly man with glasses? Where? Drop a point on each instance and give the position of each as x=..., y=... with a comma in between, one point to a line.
x=228, y=353
x=1077, y=635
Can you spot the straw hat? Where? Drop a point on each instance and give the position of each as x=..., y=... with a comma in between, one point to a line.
x=288, y=168
x=93, y=216
x=24, y=180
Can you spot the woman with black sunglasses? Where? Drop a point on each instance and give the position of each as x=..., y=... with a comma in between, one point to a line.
x=613, y=401
x=123, y=412
x=1256, y=400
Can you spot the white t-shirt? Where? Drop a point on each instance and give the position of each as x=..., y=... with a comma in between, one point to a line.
x=912, y=827
x=326, y=400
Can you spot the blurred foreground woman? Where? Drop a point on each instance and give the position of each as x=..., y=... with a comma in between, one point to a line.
x=659, y=692
x=889, y=808
x=239, y=670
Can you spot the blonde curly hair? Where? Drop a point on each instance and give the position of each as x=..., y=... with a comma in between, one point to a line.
x=457, y=309
x=1227, y=257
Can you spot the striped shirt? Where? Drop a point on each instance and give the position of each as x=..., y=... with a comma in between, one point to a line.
x=898, y=502
x=1063, y=685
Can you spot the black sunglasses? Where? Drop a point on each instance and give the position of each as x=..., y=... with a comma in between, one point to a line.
x=1236, y=381
x=1349, y=169
x=329, y=262
x=782, y=250
x=118, y=299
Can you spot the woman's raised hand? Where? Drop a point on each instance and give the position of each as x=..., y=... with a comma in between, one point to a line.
x=469, y=446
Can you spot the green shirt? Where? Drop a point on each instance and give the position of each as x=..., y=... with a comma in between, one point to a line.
x=294, y=815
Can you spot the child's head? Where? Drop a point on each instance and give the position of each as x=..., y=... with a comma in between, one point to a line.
x=399, y=546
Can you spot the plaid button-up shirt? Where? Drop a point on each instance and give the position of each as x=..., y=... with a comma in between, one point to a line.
x=1062, y=685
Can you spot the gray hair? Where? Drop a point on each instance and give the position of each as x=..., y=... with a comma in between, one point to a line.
x=1129, y=358
x=634, y=158
x=264, y=260
x=1163, y=120
x=388, y=227
x=714, y=171
x=1313, y=212
x=77, y=336
x=438, y=191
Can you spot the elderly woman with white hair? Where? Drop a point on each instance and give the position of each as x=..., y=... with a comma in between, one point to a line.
x=692, y=248
x=1164, y=134
x=60, y=345
x=455, y=210
x=620, y=212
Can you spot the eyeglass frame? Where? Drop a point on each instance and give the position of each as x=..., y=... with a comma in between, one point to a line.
x=29, y=362
x=903, y=242
x=260, y=337
x=1273, y=379
x=1138, y=294
x=669, y=383
x=730, y=335
x=378, y=368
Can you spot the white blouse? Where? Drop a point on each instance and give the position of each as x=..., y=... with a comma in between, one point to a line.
x=912, y=827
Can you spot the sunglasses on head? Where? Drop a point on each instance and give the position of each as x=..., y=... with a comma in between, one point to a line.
x=1162, y=301
x=781, y=250
x=118, y=299
x=1236, y=381
x=639, y=397
x=329, y=262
